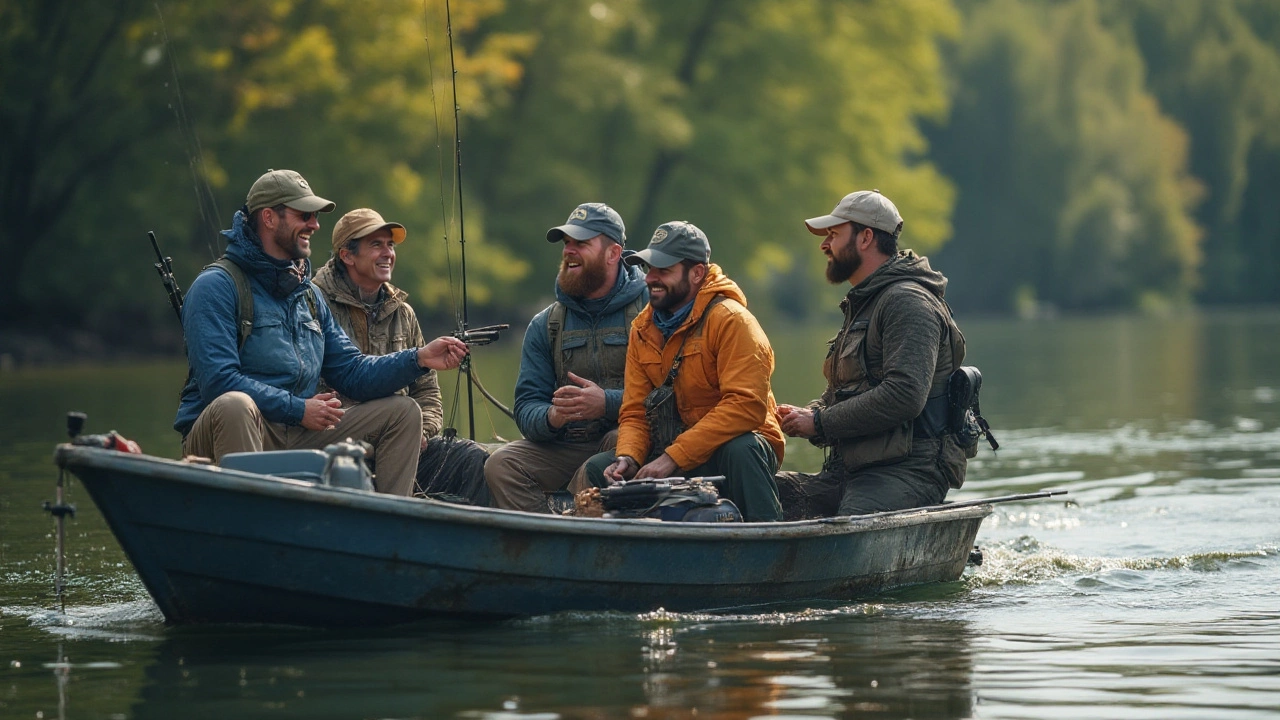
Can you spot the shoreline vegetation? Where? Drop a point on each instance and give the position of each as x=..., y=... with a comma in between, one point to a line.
x=1083, y=155
x=71, y=347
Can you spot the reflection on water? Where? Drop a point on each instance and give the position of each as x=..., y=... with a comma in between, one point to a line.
x=1152, y=590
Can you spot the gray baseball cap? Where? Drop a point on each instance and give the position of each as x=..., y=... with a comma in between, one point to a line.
x=589, y=220
x=865, y=207
x=672, y=242
x=285, y=187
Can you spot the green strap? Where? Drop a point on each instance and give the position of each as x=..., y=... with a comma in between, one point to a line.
x=244, y=297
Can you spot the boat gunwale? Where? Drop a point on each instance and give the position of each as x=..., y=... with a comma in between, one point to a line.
x=217, y=478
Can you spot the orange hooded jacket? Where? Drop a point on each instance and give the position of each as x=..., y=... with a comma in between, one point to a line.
x=722, y=388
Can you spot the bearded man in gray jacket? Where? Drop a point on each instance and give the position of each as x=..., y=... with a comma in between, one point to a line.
x=883, y=416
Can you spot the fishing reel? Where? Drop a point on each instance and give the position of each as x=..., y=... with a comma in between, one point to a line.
x=481, y=335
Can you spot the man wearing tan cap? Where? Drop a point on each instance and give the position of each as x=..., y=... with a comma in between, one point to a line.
x=259, y=338
x=884, y=416
x=376, y=315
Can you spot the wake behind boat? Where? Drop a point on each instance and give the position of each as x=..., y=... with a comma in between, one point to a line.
x=213, y=544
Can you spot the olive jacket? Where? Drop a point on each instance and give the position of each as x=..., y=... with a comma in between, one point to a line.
x=392, y=327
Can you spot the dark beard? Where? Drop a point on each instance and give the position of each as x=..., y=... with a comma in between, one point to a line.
x=589, y=279
x=675, y=297
x=842, y=267
x=288, y=243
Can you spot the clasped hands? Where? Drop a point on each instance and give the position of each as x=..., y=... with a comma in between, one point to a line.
x=626, y=468
x=796, y=421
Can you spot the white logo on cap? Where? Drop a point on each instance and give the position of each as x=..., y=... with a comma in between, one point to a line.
x=579, y=214
x=658, y=236
x=303, y=183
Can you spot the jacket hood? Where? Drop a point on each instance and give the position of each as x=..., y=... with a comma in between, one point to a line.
x=717, y=283
x=281, y=277
x=905, y=265
x=338, y=289
x=629, y=285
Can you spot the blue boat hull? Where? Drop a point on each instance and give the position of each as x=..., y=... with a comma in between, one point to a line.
x=215, y=545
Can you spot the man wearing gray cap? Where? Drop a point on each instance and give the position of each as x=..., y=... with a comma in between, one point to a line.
x=572, y=364
x=377, y=317
x=697, y=346
x=883, y=417
x=259, y=339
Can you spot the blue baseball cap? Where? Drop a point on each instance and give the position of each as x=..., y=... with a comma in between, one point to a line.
x=589, y=220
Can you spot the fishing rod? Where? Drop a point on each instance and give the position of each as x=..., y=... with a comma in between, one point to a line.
x=489, y=333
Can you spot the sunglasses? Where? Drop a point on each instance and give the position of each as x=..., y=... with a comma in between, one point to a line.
x=306, y=216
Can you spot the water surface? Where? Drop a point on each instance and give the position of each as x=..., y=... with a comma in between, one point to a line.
x=1152, y=591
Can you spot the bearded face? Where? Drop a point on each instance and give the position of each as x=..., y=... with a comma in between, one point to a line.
x=669, y=288
x=842, y=264
x=584, y=267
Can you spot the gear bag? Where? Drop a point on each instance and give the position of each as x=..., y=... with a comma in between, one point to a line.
x=660, y=409
x=964, y=416
x=692, y=500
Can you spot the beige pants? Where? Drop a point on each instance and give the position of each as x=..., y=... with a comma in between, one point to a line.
x=392, y=425
x=522, y=472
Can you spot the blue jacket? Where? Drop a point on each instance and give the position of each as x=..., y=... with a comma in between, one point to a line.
x=288, y=351
x=537, y=381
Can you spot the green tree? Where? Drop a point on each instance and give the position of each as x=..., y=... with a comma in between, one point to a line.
x=1215, y=66
x=1073, y=187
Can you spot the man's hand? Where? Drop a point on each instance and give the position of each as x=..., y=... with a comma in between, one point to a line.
x=583, y=400
x=624, y=468
x=796, y=421
x=661, y=467
x=322, y=412
x=443, y=353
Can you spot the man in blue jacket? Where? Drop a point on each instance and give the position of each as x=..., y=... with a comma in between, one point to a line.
x=572, y=364
x=256, y=390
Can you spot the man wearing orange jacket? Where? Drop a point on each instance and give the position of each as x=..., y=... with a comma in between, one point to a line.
x=697, y=338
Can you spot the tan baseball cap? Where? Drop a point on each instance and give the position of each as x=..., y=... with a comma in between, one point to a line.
x=865, y=207
x=285, y=187
x=361, y=222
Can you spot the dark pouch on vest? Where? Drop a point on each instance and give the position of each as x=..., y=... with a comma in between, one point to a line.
x=965, y=413
x=664, y=420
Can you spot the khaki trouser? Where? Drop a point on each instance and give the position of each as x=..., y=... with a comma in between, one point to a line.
x=392, y=425
x=522, y=472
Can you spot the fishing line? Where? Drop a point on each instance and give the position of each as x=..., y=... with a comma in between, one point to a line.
x=205, y=200
x=445, y=219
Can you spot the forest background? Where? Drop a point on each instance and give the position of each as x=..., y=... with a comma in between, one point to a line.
x=1048, y=156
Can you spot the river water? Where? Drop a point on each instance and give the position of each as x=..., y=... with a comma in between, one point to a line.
x=1151, y=591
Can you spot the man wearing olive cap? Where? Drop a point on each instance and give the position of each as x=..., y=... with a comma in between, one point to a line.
x=883, y=416
x=257, y=390
x=376, y=315
x=697, y=328
x=572, y=364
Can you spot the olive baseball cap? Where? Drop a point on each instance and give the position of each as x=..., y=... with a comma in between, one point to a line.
x=865, y=207
x=285, y=187
x=589, y=220
x=672, y=242
x=362, y=222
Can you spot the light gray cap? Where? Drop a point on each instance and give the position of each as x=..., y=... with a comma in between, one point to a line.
x=865, y=207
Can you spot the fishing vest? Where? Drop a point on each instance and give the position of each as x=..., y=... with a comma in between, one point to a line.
x=849, y=373
x=598, y=353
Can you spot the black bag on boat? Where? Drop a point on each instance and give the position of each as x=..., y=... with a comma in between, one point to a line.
x=692, y=500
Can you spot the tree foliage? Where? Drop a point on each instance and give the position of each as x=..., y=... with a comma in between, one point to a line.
x=1073, y=184
x=1087, y=154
